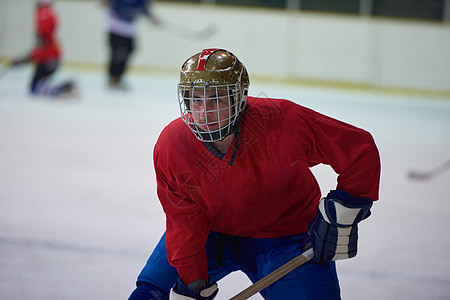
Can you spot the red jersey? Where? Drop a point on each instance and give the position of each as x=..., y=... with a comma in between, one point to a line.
x=46, y=24
x=268, y=189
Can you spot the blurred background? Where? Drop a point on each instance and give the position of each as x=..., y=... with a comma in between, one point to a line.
x=389, y=44
x=79, y=214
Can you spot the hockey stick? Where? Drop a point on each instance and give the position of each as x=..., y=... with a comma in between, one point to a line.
x=187, y=33
x=275, y=275
x=4, y=69
x=426, y=175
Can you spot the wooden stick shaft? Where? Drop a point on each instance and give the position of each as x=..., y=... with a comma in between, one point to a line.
x=274, y=276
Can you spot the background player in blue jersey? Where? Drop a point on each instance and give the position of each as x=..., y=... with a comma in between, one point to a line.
x=121, y=26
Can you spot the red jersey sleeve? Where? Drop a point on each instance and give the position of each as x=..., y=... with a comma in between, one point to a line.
x=350, y=151
x=185, y=244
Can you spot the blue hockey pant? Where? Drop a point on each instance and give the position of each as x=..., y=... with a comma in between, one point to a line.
x=256, y=258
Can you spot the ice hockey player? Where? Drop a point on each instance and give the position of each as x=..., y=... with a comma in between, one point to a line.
x=234, y=180
x=46, y=54
x=121, y=27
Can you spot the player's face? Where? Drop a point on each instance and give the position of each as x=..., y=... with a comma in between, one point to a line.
x=210, y=109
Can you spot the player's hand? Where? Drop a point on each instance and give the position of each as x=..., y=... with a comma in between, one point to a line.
x=155, y=21
x=105, y=3
x=334, y=230
x=198, y=290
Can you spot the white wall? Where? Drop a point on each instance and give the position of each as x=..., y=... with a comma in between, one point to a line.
x=272, y=43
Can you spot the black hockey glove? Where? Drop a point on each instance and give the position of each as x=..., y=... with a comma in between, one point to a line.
x=334, y=230
x=198, y=290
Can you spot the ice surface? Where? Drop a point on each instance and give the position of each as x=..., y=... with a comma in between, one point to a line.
x=78, y=208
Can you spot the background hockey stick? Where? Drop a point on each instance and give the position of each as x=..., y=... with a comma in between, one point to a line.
x=426, y=175
x=199, y=35
x=275, y=275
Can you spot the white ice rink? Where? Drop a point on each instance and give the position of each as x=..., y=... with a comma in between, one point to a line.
x=79, y=213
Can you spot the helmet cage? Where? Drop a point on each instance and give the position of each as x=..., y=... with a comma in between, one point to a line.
x=212, y=92
x=211, y=112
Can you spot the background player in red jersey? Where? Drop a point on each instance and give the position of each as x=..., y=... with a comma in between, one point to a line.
x=46, y=54
x=234, y=180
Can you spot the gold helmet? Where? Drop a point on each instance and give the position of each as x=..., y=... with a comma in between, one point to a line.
x=212, y=93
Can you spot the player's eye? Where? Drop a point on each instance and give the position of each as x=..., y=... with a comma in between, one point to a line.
x=197, y=101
